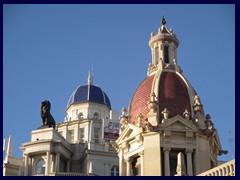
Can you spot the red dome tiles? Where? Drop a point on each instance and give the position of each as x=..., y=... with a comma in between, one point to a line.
x=140, y=99
x=173, y=95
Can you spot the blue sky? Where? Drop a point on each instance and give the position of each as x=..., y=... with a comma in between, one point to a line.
x=49, y=49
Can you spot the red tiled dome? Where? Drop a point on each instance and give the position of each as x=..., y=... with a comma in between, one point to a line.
x=140, y=99
x=172, y=94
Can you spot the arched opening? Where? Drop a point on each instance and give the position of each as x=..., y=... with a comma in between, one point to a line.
x=40, y=167
x=115, y=171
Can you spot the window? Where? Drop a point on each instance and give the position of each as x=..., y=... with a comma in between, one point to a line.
x=166, y=55
x=82, y=134
x=156, y=55
x=115, y=171
x=40, y=167
x=95, y=115
x=80, y=116
x=71, y=136
x=96, y=134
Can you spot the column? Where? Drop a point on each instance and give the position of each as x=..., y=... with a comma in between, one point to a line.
x=189, y=162
x=122, y=164
x=30, y=169
x=78, y=133
x=153, y=60
x=52, y=163
x=166, y=161
x=47, y=163
x=57, y=162
x=26, y=157
x=91, y=136
x=92, y=131
x=90, y=168
x=129, y=166
x=141, y=160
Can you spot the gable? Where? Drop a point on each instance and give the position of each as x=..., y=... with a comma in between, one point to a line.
x=178, y=123
x=129, y=133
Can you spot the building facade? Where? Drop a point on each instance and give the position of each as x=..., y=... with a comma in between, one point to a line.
x=77, y=146
x=165, y=131
x=165, y=120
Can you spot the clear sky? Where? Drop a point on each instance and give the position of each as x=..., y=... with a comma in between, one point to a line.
x=49, y=49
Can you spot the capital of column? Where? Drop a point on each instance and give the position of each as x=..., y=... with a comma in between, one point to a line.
x=188, y=151
x=166, y=149
x=128, y=160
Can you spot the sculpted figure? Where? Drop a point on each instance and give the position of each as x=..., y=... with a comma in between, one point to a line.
x=47, y=119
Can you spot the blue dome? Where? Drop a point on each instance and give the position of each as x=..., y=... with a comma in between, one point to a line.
x=89, y=93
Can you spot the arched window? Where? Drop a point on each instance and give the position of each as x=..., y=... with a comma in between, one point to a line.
x=115, y=171
x=166, y=54
x=40, y=167
x=80, y=116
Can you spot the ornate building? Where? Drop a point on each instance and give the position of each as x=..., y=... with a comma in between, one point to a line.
x=166, y=131
x=77, y=146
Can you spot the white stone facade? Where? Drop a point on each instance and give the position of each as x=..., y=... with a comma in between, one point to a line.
x=150, y=146
x=75, y=146
x=186, y=144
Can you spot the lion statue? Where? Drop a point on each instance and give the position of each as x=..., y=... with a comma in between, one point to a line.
x=46, y=116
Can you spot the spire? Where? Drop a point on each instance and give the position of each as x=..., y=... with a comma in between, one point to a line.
x=89, y=78
x=9, y=147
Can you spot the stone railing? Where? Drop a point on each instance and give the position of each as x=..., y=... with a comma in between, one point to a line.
x=226, y=169
x=67, y=174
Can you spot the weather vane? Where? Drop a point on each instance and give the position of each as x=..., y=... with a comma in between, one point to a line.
x=163, y=20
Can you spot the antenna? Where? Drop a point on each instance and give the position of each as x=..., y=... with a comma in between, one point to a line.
x=92, y=72
x=230, y=140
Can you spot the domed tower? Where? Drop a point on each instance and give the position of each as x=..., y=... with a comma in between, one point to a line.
x=81, y=144
x=88, y=101
x=166, y=117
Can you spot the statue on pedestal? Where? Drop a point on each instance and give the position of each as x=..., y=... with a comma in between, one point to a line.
x=47, y=119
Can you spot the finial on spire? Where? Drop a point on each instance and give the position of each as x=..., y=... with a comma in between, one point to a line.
x=89, y=78
x=163, y=21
